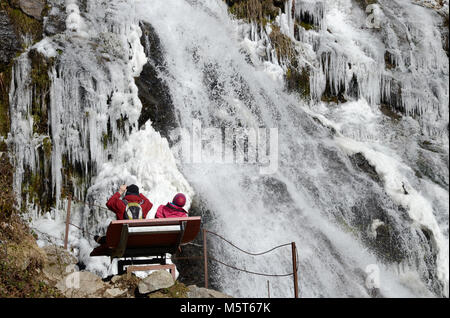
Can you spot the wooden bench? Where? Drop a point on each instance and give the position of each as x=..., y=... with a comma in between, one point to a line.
x=147, y=238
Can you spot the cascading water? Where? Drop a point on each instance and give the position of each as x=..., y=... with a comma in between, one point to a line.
x=361, y=193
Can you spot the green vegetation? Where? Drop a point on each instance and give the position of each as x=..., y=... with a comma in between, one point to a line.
x=7, y=198
x=333, y=99
x=40, y=81
x=387, y=111
x=5, y=78
x=19, y=281
x=47, y=146
x=329, y=96
x=24, y=24
x=21, y=260
x=305, y=25
x=264, y=12
x=36, y=186
x=283, y=44
x=388, y=61
x=260, y=11
x=128, y=281
x=298, y=81
x=178, y=290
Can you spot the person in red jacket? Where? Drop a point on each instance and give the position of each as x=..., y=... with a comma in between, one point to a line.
x=173, y=209
x=133, y=206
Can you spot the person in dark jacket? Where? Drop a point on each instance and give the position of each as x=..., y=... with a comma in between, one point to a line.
x=132, y=202
x=173, y=209
x=134, y=205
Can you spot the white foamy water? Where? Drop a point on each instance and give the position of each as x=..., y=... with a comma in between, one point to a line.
x=225, y=74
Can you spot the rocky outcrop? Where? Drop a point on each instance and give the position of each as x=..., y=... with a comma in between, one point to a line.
x=61, y=271
x=155, y=281
x=55, y=21
x=9, y=42
x=32, y=8
x=59, y=263
x=359, y=161
x=81, y=285
x=154, y=93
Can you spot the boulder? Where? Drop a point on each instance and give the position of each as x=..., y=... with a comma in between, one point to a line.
x=82, y=285
x=60, y=263
x=116, y=279
x=201, y=292
x=115, y=292
x=155, y=281
x=32, y=8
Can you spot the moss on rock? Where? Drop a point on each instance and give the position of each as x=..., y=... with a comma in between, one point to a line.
x=40, y=82
x=259, y=11
x=5, y=78
x=298, y=81
x=21, y=260
x=178, y=290
x=23, y=24
x=284, y=46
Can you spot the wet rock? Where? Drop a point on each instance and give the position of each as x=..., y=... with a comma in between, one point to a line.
x=157, y=104
x=155, y=281
x=55, y=21
x=9, y=42
x=361, y=162
x=201, y=292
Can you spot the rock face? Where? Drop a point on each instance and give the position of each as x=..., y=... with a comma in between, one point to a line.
x=154, y=94
x=9, y=43
x=55, y=20
x=155, y=281
x=83, y=285
x=32, y=8
x=59, y=263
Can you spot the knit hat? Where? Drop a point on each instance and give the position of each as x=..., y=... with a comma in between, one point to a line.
x=179, y=200
x=132, y=190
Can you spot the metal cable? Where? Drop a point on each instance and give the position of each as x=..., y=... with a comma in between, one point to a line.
x=250, y=272
x=82, y=229
x=246, y=252
x=90, y=205
x=210, y=258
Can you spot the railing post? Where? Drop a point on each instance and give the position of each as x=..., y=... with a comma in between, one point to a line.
x=205, y=258
x=294, y=265
x=67, y=221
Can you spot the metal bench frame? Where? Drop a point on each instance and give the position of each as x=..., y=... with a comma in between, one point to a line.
x=157, y=254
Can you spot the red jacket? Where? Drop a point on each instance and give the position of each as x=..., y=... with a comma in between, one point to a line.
x=170, y=211
x=116, y=204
